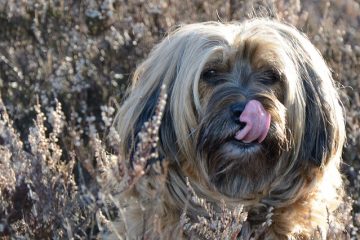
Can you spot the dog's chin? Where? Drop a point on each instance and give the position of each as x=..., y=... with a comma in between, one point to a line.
x=237, y=168
x=241, y=150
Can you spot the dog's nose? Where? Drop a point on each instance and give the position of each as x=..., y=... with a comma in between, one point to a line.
x=235, y=111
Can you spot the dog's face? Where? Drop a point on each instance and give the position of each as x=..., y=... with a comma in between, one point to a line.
x=242, y=129
x=252, y=108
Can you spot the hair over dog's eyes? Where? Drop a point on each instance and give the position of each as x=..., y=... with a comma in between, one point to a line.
x=269, y=77
x=212, y=76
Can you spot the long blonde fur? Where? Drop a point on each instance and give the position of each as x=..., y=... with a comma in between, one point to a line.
x=305, y=198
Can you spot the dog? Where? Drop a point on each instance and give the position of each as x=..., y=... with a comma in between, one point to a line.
x=253, y=118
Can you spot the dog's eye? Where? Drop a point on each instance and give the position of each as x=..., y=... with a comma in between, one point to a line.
x=269, y=77
x=209, y=74
x=212, y=76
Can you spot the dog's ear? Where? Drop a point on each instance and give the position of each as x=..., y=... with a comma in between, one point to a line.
x=141, y=101
x=144, y=116
x=320, y=126
x=316, y=112
x=167, y=136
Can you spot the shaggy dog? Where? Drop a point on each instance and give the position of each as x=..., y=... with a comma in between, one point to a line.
x=252, y=118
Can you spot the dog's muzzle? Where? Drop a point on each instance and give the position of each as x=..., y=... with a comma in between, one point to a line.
x=253, y=119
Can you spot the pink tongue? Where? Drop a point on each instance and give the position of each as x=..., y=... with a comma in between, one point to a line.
x=257, y=121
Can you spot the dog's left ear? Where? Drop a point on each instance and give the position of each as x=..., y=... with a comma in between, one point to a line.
x=321, y=116
x=321, y=136
x=324, y=128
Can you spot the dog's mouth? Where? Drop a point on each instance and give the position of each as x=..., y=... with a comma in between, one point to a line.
x=255, y=122
x=240, y=137
x=253, y=127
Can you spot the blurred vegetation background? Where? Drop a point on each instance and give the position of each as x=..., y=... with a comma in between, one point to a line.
x=64, y=68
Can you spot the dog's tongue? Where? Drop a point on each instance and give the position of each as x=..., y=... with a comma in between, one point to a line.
x=257, y=121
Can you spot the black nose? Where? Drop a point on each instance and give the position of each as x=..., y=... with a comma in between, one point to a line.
x=235, y=111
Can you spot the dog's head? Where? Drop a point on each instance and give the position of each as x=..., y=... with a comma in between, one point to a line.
x=252, y=107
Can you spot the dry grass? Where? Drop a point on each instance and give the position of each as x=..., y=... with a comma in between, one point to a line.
x=64, y=67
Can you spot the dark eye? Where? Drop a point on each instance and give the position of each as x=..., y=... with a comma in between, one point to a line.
x=212, y=76
x=269, y=77
x=207, y=74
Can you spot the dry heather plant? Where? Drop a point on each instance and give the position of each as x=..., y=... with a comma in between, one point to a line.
x=226, y=225
x=39, y=194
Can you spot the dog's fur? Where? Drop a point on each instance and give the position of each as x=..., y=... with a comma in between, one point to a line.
x=209, y=66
